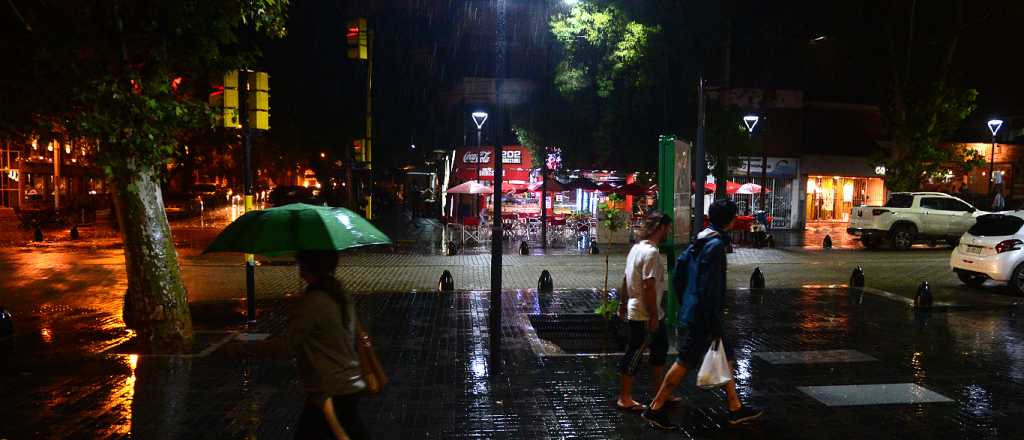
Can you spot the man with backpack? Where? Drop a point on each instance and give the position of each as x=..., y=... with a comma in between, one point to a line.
x=699, y=280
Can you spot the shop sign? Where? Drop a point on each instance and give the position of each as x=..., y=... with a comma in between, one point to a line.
x=514, y=157
x=777, y=166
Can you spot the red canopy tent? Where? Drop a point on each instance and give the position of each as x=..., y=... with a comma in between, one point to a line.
x=553, y=186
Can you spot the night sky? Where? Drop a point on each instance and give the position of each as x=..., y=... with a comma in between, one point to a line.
x=424, y=47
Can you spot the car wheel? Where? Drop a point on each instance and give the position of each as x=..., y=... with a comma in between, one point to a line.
x=871, y=243
x=1017, y=280
x=971, y=279
x=902, y=236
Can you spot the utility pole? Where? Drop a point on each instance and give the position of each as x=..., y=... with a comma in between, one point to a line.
x=359, y=39
x=250, y=260
x=369, y=122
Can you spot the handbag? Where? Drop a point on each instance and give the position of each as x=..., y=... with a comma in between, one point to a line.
x=369, y=363
x=714, y=371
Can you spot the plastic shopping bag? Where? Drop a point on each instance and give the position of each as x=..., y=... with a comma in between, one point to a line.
x=714, y=372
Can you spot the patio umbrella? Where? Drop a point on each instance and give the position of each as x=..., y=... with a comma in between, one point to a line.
x=730, y=187
x=750, y=188
x=297, y=227
x=470, y=187
x=632, y=189
x=583, y=183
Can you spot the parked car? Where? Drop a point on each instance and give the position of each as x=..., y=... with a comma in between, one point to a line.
x=991, y=250
x=211, y=194
x=286, y=194
x=908, y=218
x=182, y=205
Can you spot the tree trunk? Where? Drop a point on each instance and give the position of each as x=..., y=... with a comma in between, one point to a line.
x=156, y=303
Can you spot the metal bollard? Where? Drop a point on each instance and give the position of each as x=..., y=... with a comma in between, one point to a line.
x=524, y=249
x=446, y=284
x=857, y=277
x=74, y=232
x=545, y=284
x=827, y=242
x=449, y=248
x=38, y=234
x=593, y=248
x=6, y=324
x=757, y=279
x=771, y=241
x=923, y=298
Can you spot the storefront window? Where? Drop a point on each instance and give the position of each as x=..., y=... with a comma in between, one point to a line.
x=8, y=177
x=831, y=198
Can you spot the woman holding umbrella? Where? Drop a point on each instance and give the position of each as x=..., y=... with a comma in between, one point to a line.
x=321, y=332
x=322, y=328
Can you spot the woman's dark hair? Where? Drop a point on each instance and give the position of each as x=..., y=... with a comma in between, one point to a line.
x=652, y=222
x=722, y=212
x=322, y=264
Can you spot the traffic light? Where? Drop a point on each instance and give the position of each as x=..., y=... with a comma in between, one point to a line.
x=226, y=97
x=359, y=150
x=257, y=101
x=356, y=38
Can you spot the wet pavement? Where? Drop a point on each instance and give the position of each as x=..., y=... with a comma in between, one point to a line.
x=69, y=372
x=794, y=347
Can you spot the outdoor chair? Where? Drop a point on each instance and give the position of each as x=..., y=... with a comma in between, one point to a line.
x=473, y=230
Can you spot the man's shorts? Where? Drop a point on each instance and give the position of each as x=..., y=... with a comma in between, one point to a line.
x=638, y=335
x=694, y=345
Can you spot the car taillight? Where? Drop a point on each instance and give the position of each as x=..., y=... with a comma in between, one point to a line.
x=879, y=211
x=1008, y=245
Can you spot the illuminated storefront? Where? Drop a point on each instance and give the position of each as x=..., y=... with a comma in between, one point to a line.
x=832, y=198
x=833, y=185
x=8, y=175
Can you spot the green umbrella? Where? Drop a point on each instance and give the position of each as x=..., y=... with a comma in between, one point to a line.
x=297, y=227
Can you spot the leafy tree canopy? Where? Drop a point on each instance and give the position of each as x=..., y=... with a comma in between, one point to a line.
x=602, y=49
x=130, y=76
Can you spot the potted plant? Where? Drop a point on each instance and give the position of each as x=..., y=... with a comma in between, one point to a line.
x=613, y=219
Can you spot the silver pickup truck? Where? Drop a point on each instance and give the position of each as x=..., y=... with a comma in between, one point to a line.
x=913, y=217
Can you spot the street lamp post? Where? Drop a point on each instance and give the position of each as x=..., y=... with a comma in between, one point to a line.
x=479, y=118
x=993, y=126
x=751, y=121
x=494, y=314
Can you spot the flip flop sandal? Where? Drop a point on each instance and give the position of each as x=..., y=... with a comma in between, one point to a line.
x=633, y=408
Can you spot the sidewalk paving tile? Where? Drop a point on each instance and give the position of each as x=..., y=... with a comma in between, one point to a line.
x=874, y=394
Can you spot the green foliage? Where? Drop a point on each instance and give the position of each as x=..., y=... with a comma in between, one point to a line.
x=602, y=77
x=613, y=219
x=602, y=48
x=916, y=152
x=607, y=309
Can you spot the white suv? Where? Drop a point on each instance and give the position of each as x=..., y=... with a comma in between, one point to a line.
x=913, y=217
x=991, y=250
